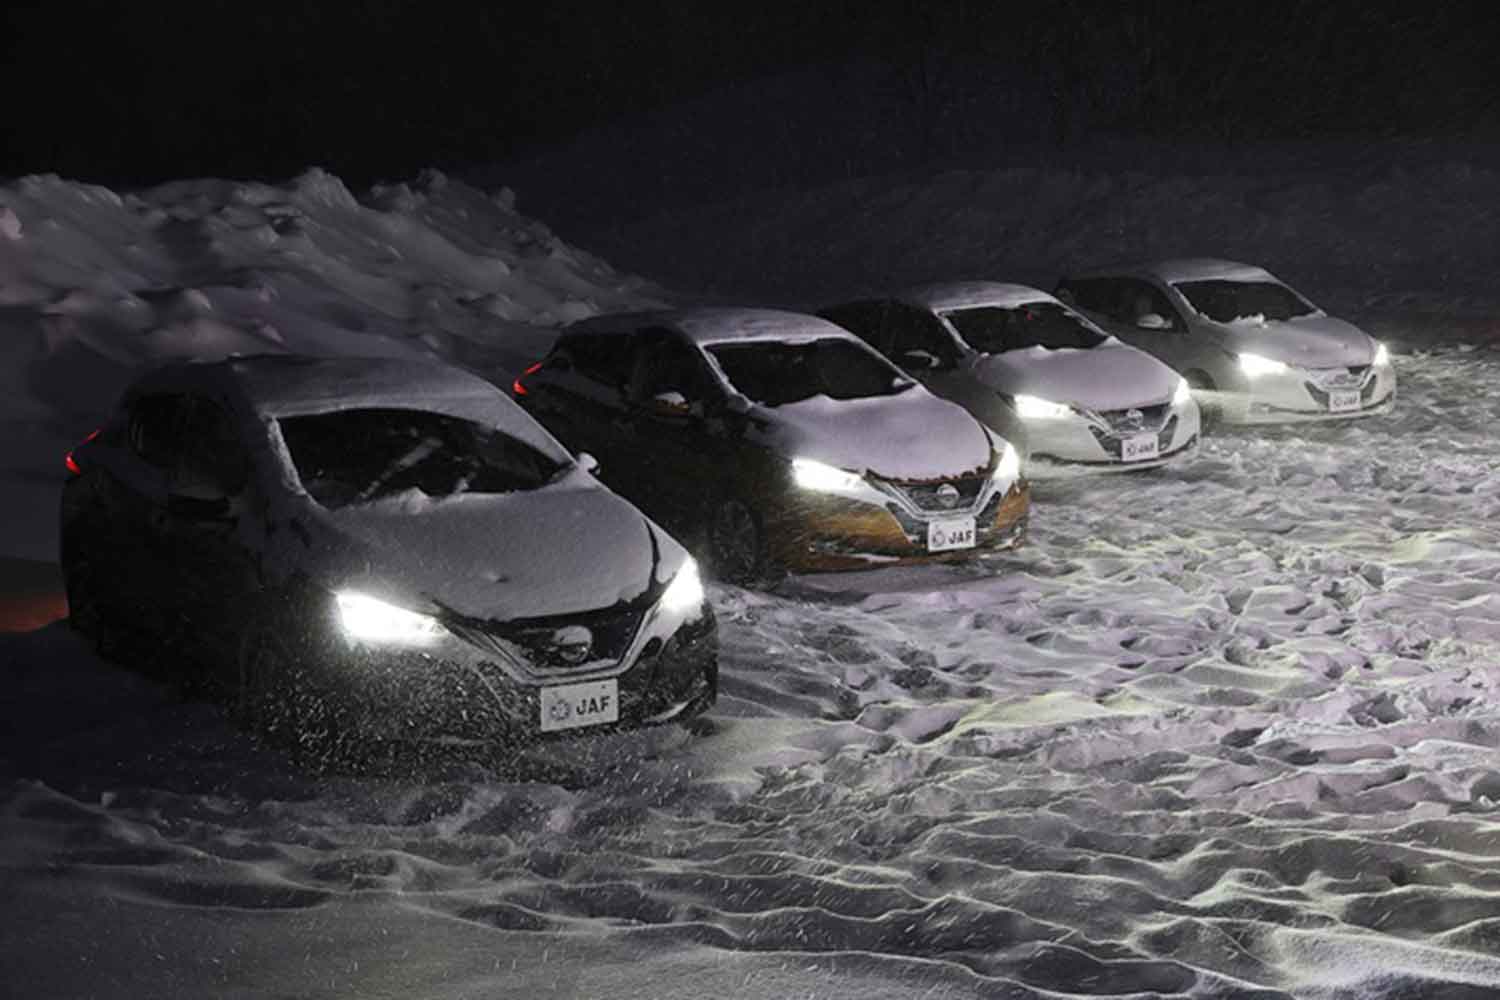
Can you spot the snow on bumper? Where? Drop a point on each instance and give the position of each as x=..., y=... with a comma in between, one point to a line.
x=1101, y=442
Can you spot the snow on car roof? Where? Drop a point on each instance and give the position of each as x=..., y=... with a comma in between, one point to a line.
x=286, y=385
x=1185, y=269
x=721, y=325
x=968, y=294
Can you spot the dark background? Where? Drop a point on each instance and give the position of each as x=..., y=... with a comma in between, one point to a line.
x=700, y=100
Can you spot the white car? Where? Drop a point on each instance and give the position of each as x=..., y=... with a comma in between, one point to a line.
x=376, y=548
x=1254, y=350
x=1034, y=370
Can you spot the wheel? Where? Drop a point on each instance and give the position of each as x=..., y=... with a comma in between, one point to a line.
x=738, y=548
x=1210, y=414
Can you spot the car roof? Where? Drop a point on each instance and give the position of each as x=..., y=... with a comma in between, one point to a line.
x=965, y=294
x=287, y=385
x=1183, y=269
x=719, y=325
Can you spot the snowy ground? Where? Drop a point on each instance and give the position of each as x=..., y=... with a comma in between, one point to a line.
x=1225, y=731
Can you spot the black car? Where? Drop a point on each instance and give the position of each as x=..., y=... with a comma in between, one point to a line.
x=380, y=547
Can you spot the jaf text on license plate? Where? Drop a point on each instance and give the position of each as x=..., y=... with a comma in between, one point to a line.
x=1343, y=400
x=573, y=706
x=1138, y=448
x=949, y=534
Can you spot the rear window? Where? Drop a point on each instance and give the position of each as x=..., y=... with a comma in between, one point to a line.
x=602, y=357
x=1227, y=301
x=354, y=456
x=774, y=373
x=996, y=329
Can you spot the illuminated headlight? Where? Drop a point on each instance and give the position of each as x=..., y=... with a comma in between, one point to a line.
x=370, y=620
x=1255, y=366
x=813, y=475
x=685, y=592
x=1382, y=356
x=1036, y=408
x=1184, y=394
x=1008, y=469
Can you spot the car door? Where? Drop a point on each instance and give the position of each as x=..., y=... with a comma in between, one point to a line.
x=137, y=496
x=579, y=395
x=199, y=528
x=677, y=461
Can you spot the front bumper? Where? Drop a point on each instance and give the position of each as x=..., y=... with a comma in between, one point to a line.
x=459, y=691
x=1083, y=444
x=827, y=533
x=1298, y=396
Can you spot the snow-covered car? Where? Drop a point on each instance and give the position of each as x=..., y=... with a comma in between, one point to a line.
x=1254, y=350
x=1033, y=369
x=384, y=548
x=781, y=441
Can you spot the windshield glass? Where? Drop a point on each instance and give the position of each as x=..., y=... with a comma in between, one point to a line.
x=997, y=329
x=352, y=456
x=772, y=372
x=1227, y=301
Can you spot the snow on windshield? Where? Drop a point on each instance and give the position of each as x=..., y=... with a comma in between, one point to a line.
x=353, y=456
x=774, y=372
x=997, y=329
x=1226, y=301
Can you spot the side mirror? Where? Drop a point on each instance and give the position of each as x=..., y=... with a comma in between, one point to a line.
x=670, y=403
x=918, y=360
x=1152, y=321
x=587, y=462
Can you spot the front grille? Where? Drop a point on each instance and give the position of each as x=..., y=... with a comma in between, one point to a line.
x=544, y=643
x=1136, y=420
x=1337, y=378
x=928, y=496
x=1113, y=444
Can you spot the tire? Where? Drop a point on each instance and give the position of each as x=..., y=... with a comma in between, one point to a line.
x=1210, y=416
x=739, y=551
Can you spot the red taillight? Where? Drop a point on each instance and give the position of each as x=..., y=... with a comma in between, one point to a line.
x=72, y=463
x=516, y=386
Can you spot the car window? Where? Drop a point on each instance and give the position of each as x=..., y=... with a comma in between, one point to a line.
x=666, y=363
x=1098, y=295
x=996, y=329
x=774, y=372
x=1138, y=298
x=357, y=455
x=600, y=357
x=914, y=330
x=211, y=453
x=1227, y=301
x=155, y=428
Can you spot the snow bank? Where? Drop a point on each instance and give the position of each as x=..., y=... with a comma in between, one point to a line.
x=95, y=285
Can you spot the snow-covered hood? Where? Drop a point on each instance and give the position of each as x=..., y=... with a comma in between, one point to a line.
x=1111, y=376
x=1317, y=341
x=573, y=546
x=911, y=435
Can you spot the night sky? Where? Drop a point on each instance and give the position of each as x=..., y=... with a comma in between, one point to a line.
x=136, y=93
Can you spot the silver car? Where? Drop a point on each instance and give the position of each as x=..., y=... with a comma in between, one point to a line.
x=1035, y=371
x=1254, y=350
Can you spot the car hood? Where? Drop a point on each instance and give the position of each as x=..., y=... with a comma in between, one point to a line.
x=1308, y=341
x=911, y=435
x=569, y=547
x=1112, y=376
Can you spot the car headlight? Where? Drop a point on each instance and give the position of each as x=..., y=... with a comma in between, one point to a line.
x=1184, y=394
x=1382, y=356
x=1009, y=466
x=371, y=620
x=811, y=474
x=685, y=592
x=1254, y=365
x=1036, y=408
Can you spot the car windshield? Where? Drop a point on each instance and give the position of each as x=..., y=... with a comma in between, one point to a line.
x=353, y=456
x=1227, y=301
x=997, y=329
x=773, y=372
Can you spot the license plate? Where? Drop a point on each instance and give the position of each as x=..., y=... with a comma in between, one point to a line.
x=1138, y=448
x=573, y=706
x=954, y=533
x=1342, y=401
